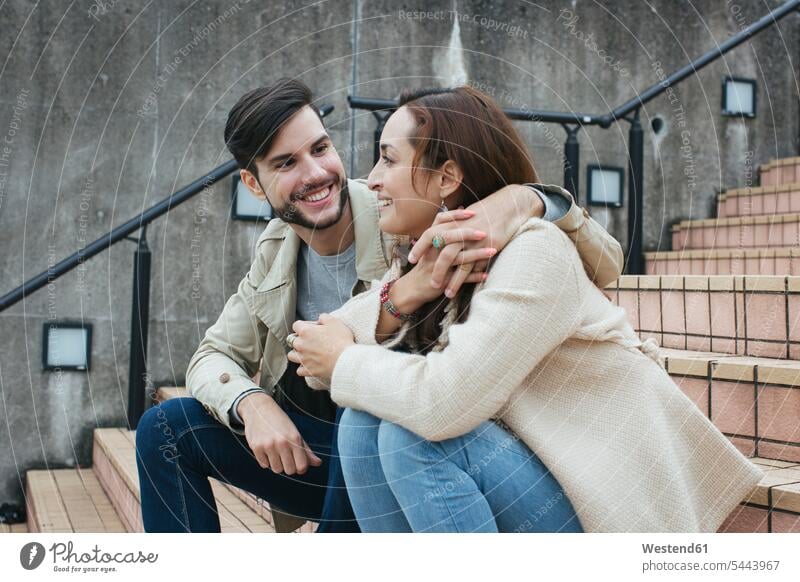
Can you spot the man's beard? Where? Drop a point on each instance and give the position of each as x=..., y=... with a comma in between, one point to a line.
x=290, y=213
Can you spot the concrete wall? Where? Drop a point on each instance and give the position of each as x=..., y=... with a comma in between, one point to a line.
x=106, y=107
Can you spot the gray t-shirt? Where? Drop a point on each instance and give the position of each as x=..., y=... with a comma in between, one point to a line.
x=324, y=283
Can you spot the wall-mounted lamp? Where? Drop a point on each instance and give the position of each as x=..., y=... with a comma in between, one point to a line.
x=66, y=346
x=738, y=97
x=245, y=206
x=605, y=185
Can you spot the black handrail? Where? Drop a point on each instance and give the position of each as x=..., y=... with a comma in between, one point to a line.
x=124, y=230
x=371, y=104
x=712, y=55
x=572, y=122
x=116, y=235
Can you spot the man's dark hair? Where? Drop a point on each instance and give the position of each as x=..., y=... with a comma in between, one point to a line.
x=257, y=117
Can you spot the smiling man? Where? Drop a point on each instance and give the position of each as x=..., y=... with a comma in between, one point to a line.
x=277, y=439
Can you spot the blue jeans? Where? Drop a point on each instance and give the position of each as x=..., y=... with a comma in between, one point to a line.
x=484, y=481
x=179, y=446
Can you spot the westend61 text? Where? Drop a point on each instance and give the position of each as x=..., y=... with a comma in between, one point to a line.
x=670, y=549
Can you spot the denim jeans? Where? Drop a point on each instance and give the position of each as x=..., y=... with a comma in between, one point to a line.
x=179, y=445
x=484, y=481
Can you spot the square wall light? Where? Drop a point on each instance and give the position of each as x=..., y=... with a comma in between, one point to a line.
x=245, y=206
x=738, y=97
x=66, y=346
x=605, y=185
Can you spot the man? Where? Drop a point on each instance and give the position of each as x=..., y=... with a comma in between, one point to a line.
x=278, y=439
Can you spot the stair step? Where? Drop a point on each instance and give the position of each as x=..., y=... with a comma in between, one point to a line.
x=778, y=230
x=781, y=171
x=773, y=505
x=114, y=459
x=759, y=200
x=755, y=402
x=757, y=261
x=745, y=315
x=281, y=521
x=69, y=500
x=13, y=528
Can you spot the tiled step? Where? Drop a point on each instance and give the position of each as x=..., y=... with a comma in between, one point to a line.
x=755, y=402
x=13, y=527
x=114, y=459
x=763, y=261
x=282, y=522
x=779, y=230
x=744, y=315
x=759, y=200
x=782, y=171
x=69, y=500
x=773, y=506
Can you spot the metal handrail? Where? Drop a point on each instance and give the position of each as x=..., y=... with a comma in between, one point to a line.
x=745, y=34
x=572, y=122
x=117, y=234
x=124, y=230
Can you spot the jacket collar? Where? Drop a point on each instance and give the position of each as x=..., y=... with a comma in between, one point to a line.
x=276, y=296
x=371, y=252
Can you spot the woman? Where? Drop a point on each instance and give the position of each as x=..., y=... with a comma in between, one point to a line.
x=532, y=368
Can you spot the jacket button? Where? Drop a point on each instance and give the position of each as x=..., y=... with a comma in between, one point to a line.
x=585, y=213
x=224, y=377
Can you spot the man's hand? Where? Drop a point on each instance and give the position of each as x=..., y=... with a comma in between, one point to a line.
x=273, y=437
x=487, y=224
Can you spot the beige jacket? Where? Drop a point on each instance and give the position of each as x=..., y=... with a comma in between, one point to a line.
x=253, y=326
x=547, y=354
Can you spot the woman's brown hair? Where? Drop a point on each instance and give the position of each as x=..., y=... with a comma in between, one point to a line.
x=466, y=126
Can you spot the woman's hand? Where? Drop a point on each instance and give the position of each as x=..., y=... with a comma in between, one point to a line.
x=416, y=288
x=488, y=224
x=319, y=345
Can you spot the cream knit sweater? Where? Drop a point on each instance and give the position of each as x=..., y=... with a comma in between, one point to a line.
x=546, y=353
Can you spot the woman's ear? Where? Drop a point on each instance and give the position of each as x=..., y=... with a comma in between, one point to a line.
x=249, y=180
x=450, y=178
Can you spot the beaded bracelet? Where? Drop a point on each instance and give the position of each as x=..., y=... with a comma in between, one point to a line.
x=389, y=306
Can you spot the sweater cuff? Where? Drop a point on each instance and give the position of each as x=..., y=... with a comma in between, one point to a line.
x=344, y=382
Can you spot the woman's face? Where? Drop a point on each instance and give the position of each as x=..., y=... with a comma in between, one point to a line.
x=403, y=208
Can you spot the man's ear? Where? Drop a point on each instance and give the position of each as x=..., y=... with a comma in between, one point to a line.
x=450, y=178
x=249, y=180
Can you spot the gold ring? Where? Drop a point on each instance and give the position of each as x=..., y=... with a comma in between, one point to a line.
x=290, y=340
x=438, y=242
x=465, y=266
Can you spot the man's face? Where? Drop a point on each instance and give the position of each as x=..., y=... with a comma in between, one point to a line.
x=302, y=175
